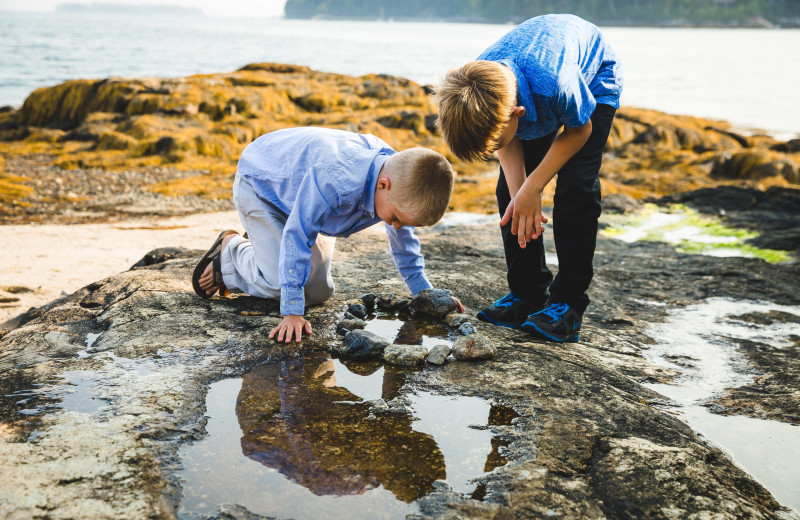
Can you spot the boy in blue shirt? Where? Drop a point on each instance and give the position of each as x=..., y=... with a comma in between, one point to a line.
x=552, y=72
x=296, y=190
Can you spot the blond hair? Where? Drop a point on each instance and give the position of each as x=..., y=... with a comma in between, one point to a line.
x=475, y=104
x=422, y=183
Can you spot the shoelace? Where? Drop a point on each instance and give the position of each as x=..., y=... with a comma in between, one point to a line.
x=556, y=310
x=506, y=301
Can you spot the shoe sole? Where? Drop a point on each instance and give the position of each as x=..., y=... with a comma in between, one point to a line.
x=483, y=317
x=533, y=329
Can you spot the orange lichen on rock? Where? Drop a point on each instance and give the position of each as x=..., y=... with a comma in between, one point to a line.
x=203, y=122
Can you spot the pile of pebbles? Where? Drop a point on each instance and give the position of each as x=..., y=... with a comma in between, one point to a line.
x=438, y=304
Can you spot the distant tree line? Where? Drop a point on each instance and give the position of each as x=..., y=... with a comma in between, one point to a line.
x=656, y=12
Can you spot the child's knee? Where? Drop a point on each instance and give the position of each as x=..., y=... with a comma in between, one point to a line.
x=319, y=293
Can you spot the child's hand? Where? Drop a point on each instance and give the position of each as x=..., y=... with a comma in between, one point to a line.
x=525, y=213
x=291, y=325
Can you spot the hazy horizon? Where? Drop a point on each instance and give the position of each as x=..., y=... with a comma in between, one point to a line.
x=232, y=8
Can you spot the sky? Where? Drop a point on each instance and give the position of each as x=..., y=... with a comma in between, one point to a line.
x=232, y=8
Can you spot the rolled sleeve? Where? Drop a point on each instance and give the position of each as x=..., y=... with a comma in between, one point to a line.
x=407, y=256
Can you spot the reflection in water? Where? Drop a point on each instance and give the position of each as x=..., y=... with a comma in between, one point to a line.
x=297, y=420
x=314, y=447
x=409, y=332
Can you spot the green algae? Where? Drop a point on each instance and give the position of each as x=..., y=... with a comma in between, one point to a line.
x=703, y=234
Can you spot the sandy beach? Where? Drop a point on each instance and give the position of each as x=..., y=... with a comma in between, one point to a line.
x=55, y=260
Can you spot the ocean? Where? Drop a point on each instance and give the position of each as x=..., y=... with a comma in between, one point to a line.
x=749, y=77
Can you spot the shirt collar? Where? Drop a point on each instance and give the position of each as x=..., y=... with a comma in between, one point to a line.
x=524, y=95
x=367, y=203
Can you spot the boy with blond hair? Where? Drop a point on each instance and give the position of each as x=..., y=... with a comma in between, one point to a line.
x=296, y=190
x=552, y=72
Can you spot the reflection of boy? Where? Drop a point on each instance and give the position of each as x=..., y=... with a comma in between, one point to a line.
x=295, y=419
x=296, y=189
x=551, y=72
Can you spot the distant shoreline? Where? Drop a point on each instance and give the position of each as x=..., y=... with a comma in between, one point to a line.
x=759, y=23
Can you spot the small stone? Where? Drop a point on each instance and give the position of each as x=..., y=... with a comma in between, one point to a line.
x=473, y=347
x=358, y=310
x=403, y=305
x=345, y=326
x=405, y=355
x=349, y=316
x=385, y=302
x=467, y=328
x=454, y=319
x=362, y=345
x=438, y=354
x=434, y=302
x=369, y=301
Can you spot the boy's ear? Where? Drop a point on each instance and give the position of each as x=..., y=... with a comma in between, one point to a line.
x=518, y=111
x=385, y=184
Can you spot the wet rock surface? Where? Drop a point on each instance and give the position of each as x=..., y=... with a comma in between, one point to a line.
x=107, y=384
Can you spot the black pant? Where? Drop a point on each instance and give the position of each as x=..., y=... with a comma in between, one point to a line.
x=576, y=209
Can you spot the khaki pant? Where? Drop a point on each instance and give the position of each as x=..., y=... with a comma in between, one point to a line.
x=251, y=265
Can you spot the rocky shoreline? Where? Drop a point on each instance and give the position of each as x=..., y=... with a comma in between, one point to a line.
x=102, y=389
x=590, y=440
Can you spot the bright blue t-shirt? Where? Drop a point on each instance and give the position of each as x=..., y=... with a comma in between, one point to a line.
x=563, y=66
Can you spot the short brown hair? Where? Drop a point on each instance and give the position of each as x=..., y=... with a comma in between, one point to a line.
x=475, y=104
x=422, y=184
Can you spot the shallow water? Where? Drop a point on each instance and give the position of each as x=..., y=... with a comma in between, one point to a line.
x=301, y=439
x=408, y=332
x=700, y=342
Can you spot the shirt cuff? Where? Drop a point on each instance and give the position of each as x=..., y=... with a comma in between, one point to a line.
x=293, y=300
x=418, y=282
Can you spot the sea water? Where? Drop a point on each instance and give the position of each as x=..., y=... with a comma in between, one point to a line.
x=740, y=75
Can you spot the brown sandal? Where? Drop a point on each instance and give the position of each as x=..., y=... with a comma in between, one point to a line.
x=213, y=256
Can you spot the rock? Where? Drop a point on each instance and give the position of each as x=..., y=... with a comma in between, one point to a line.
x=345, y=326
x=620, y=203
x=362, y=345
x=403, y=305
x=158, y=256
x=434, y=302
x=349, y=316
x=438, y=354
x=473, y=347
x=358, y=310
x=756, y=164
x=467, y=328
x=386, y=302
x=369, y=301
x=405, y=355
x=454, y=319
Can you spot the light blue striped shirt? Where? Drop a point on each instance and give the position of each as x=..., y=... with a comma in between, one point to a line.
x=563, y=66
x=324, y=181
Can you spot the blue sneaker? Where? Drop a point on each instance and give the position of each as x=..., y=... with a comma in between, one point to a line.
x=558, y=322
x=509, y=311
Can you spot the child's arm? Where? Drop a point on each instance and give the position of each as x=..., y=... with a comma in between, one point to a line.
x=407, y=256
x=525, y=209
x=310, y=210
